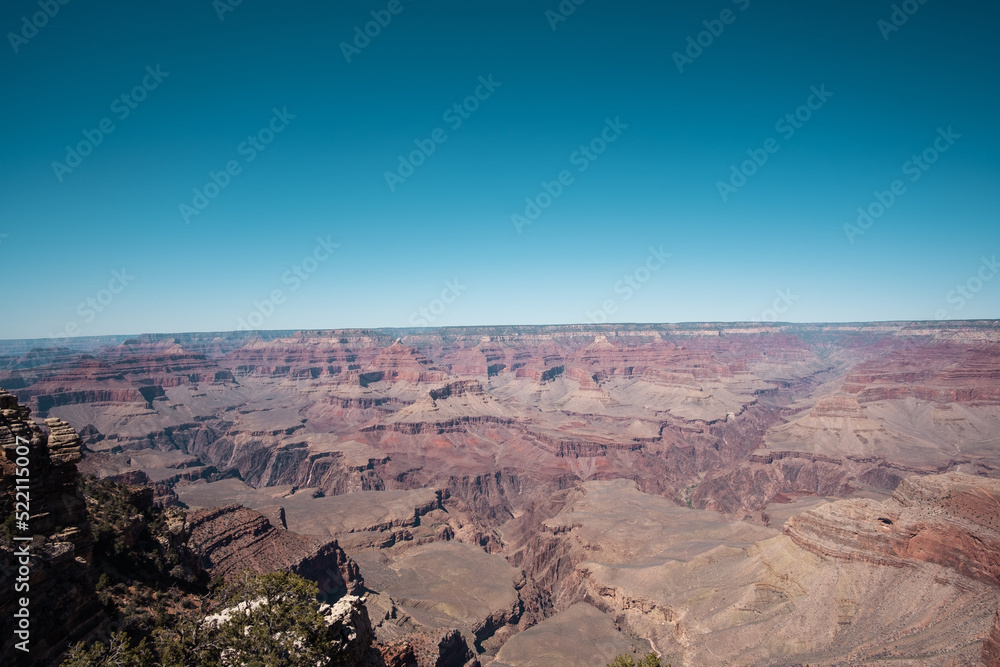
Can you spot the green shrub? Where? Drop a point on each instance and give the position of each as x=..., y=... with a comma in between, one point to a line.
x=269, y=620
x=118, y=652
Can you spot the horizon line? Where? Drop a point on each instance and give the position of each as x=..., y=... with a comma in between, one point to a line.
x=250, y=333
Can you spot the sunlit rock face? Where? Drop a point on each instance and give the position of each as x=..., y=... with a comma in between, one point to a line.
x=61, y=579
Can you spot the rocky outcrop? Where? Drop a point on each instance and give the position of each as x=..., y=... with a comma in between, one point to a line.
x=332, y=570
x=63, y=603
x=704, y=590
x=354, y=637
x=443, y=648
x=457, y=389
x=400, y=363
x=234, y=538
x=942, y=372
x=144, y=395
x=332, y=472
x=767, y=475
x=991, y=645
x=751, y=486
x=952, y=520
x=134, y=372
x=455, y=425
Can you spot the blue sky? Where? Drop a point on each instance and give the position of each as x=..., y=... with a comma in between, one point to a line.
x=438, y=246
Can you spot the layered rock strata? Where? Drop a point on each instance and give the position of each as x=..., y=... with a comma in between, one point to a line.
x=63, y=605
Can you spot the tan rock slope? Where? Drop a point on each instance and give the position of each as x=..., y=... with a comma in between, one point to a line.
x=580, y=635
x=839, y=586
x=952, y=520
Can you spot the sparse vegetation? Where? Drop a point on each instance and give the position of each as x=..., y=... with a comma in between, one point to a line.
x=145, y=577
x=165, y=611
x=131, y=540
x=118, y=652
x=143, y=583
x=268, y=620
x=686, y=495
x=650, y=660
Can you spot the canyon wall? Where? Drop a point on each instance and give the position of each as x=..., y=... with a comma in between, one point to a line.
x=63, y=602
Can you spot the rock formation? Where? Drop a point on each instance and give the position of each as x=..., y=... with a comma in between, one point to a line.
x=706, y=591
x=991, y=645
x=234, y=538
x=952, y=520
x=441, y=648
x=495, y=453
x=354, y=637
x=63, y=603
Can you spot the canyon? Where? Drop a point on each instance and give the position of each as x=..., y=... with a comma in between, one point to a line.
x=717, y=493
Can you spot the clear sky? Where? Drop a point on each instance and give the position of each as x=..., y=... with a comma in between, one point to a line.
x=629, y=125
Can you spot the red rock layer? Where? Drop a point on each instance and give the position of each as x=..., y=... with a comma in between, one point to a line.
x=952, y=520
x=234, y=538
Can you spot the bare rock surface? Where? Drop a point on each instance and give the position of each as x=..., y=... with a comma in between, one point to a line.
x=312, y=514
x=63, y=602
x=952, y=520
x=234, y=538
x=448, y=585
x=991, y=647
x=579, y=636
x=709, y=592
